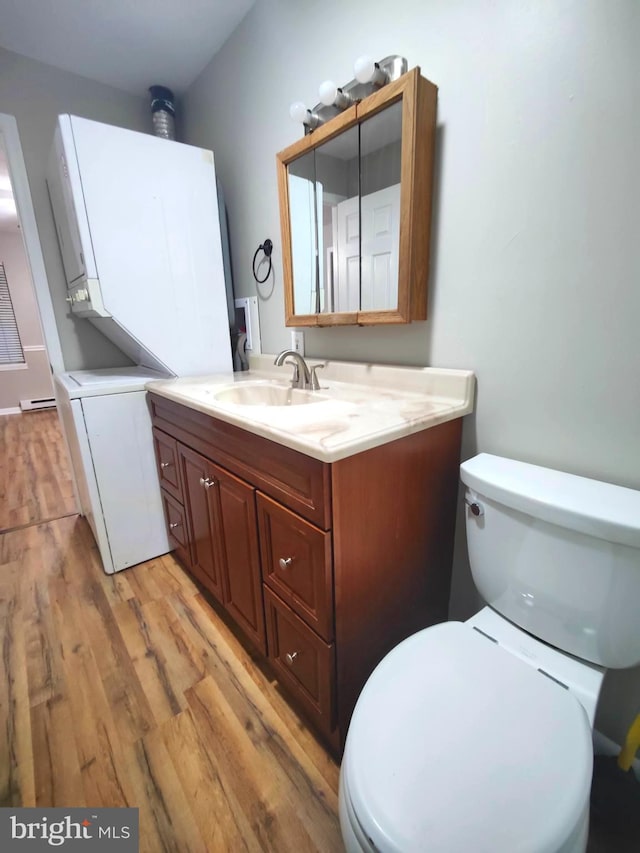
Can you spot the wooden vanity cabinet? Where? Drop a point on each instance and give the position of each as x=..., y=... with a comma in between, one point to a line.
x=324, y=566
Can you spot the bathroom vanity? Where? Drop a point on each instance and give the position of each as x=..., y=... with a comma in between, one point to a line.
x=324, y=530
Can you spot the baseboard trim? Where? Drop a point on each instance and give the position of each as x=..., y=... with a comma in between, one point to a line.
x=41, y=403
x=13, y=410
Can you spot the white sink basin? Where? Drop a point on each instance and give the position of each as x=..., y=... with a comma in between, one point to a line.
x=266, y=394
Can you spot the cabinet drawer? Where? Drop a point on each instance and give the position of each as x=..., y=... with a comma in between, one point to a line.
x=304, y=663
x=167, y=462
x=176, y=527
x=296, y=564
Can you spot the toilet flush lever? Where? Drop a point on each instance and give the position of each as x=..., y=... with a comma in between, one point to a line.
x=476, y=508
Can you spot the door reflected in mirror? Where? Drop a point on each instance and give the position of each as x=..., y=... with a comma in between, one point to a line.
x=380, y=173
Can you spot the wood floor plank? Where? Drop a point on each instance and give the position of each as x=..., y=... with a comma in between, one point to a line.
x=94, y=729
x=149, y=661
x=212, y=804
x=166, y=819
x=44, y=670
x=143, y=582
x=17, y=782
x=283, y=816
x=128, y=703
x=184, y=662
x=58, y=780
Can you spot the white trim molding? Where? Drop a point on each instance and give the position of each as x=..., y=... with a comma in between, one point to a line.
x=19, y=365
x=29, y=228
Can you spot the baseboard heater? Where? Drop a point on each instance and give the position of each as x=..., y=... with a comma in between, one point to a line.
x=43, y=403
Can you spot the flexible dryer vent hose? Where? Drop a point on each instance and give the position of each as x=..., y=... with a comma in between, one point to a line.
x=631, y=745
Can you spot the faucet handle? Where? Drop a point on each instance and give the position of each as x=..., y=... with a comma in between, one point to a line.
x=315, y=385
x=295, y=380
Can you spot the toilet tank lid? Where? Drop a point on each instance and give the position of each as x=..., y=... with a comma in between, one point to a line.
x=598, y=509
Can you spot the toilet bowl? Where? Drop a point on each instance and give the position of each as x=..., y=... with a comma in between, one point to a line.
x=477, y=736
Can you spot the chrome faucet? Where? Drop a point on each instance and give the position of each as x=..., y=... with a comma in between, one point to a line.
x=301, y=376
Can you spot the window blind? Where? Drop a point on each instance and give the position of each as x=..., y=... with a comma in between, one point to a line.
x=10, y=344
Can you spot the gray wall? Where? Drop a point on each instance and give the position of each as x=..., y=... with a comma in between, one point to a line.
x=536, y=263
x=36, y=94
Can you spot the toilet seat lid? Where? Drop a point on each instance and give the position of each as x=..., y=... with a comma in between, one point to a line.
x=456, y=745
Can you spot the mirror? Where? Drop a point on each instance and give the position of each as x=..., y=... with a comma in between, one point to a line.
x=355, y=199
x=321, y=184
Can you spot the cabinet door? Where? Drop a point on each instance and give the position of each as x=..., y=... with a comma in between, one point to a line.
x=238, y=526
x=198, y=479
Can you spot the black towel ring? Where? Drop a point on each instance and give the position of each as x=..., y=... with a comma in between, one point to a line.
x=267, y=248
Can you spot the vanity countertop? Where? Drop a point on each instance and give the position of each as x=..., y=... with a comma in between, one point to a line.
x=362, y=406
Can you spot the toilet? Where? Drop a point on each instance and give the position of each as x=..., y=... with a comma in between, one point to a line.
x=477, y=736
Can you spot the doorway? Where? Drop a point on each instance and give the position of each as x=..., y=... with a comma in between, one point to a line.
x=37, y=482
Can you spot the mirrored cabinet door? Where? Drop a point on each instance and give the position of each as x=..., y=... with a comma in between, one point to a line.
x=301, y=178
x=380, y=191
x=355, y=204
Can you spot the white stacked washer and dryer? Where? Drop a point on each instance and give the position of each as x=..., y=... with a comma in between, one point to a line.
x=141, y=237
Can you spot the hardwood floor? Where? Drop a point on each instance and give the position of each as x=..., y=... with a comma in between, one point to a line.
x=130, y=690
x=35, y=483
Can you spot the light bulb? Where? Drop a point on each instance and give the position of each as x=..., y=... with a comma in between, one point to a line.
x=364, y=68
x=328, y=92
x=368, y=71
x=298, y=112
x=331, y=95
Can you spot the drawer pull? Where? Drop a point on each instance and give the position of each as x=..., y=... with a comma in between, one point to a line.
x=285, y=562
x=207, y=482
x=166, y=464
x=290, y=658
x=174, y=524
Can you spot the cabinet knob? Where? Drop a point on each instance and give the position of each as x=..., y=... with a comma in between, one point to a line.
x=174, y=524
x=290, y=657
x=285, y=562
x=166, y=464
x=207, y=482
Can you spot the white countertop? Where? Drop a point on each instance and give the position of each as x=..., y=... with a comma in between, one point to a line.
x=362, y=405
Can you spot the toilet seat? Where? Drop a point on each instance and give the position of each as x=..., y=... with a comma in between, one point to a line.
x=455, y=745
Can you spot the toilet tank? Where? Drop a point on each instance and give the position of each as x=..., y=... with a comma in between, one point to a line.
x=557, y=554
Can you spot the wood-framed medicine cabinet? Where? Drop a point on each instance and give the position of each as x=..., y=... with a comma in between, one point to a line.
x=355, y=210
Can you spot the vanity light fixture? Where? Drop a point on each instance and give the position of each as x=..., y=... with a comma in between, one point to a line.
x=369, y=76
x=299, y=112
x=332, y=95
